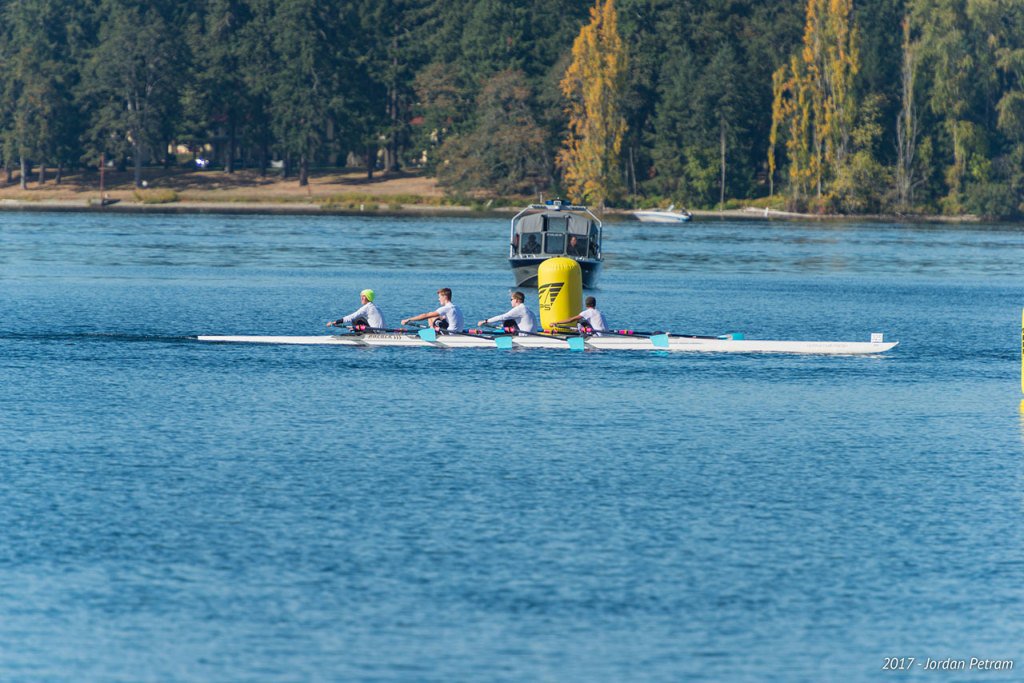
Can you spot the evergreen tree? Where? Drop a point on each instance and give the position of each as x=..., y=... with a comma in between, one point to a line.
x=950, y=58
x=674, y=165
x=37, y=84
x=218, y=96
x=443, y=102
x=493, y=38
x=258, y=66
x=391, y=46
x=505, y=150
x=304, y=87
x=132, y=80
x=997, y=188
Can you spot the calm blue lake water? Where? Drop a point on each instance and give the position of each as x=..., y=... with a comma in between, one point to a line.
x=179, y=511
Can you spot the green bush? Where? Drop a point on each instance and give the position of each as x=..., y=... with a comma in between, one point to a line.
x=863, y=186
x=156, y=196
x=993, y=200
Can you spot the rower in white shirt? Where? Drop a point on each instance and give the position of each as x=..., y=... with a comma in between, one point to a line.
x=368, y=315
x=447, y=317
x=523, y=317
x=590, y=319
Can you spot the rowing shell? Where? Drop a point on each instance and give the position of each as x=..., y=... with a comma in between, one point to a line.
x=606, y=343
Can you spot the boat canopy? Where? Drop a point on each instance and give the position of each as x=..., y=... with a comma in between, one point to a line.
x=556, y=233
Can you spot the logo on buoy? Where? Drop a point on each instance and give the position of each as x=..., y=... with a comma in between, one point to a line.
x=548, y=293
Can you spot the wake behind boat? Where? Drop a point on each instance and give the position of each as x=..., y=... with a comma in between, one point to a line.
x=732, y=343
x=554, y=229
x=669, y=215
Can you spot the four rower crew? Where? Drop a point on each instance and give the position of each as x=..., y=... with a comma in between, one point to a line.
x=368, y=315
x=591, y=319
x=447, y=317
x=519, y=315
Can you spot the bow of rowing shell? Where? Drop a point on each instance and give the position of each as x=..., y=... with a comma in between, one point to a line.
x=617, y=343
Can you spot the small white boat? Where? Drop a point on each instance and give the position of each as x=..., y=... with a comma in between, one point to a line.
x=733, y=343
x=669, y=215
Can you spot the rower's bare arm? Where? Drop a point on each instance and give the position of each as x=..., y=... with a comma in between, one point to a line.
x=422, y=316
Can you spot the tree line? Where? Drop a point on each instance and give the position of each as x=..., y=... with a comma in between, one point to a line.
x=856, y=106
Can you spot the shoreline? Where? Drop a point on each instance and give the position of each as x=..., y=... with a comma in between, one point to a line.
x=344, y=192
x=313, y=208
x=238, y=207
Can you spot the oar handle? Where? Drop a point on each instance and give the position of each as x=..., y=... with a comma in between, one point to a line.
x=362, y=329
x=636, y=333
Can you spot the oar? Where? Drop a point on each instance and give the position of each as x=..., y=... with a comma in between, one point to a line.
x=658, y=339
x=424, y=331
x=359, y=329
x=505, y=342
x=727, y=335
x=429, y=334
x=385, y=330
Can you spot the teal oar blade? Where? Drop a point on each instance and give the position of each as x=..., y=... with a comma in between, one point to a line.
x=576, y=344
x=503, y=342
x=660, y=340
x=427, y=334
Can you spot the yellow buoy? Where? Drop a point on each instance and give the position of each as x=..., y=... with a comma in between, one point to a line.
x=560, y=290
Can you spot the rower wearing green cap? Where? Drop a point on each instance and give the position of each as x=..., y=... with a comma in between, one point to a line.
x=368, y=315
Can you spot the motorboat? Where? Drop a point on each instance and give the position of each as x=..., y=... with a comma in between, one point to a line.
x=554, y=228
x=669, y=215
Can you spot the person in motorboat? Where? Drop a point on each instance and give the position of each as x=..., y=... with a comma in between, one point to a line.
x=590, y=319
x=366, y=316
x=574, y=248
x=532, y=245
x=518, y=318
x=448, y=317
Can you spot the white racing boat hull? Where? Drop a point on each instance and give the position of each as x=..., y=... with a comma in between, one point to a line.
x=606, y=343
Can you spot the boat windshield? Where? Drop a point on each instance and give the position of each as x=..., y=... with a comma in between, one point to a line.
x=555, y=235
x=554, y=243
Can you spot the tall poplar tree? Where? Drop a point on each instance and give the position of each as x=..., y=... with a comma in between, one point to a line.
x=818, y=85
x=907, y=123
x=594, y=85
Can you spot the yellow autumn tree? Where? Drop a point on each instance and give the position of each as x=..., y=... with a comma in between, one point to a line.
x=594, y=85
x=813, y=98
